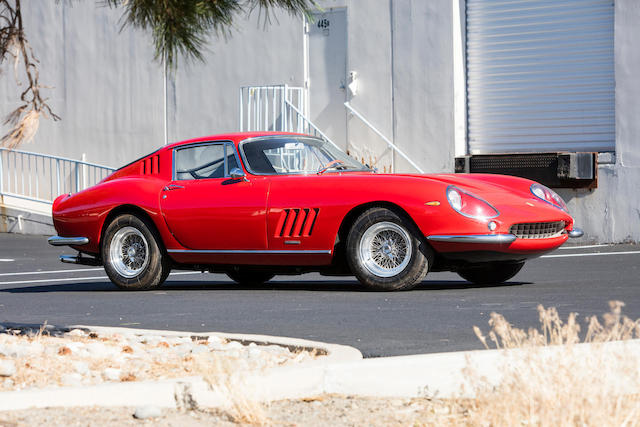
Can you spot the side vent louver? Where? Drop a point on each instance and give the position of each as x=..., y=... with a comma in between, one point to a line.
x=296, y=222
x=151, y=165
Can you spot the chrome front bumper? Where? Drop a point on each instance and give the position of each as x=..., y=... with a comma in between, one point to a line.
x=576, y=232
x=67, y=241
x=495, y=239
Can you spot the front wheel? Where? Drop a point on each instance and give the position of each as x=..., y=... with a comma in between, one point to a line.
x=133, y=258
x=386, y=252
x=491, y=273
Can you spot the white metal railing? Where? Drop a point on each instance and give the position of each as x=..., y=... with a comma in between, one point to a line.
x=41, y=177
x=390, y=144
x=264, y=108
x=298, y=122
x=279, y=108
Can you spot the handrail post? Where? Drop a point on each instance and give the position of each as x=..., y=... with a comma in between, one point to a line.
x=241, y=109
x=77, y=177
x=84, y=171
x=284, y=109
x=1, y=174
x=58, y=176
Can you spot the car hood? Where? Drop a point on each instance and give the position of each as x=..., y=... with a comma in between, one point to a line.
x=485, y=185
x=509, y=194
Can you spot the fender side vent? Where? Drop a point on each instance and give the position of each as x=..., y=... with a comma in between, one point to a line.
x=296, y=222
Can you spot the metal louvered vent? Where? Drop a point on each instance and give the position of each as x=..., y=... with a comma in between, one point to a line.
x=537, y=230
x=150, y=165
x=296, y=222
x=540, y=75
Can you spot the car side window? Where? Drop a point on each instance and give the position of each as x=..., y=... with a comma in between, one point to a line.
x=204, y=161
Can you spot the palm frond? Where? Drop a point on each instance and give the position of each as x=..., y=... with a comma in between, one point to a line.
x=183, y=27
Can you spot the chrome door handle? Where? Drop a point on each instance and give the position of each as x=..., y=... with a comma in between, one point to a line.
x=172, y=187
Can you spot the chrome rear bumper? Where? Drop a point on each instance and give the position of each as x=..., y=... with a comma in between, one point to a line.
x=70, y=241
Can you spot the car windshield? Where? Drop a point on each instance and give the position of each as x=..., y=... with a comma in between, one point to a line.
x=296, y=155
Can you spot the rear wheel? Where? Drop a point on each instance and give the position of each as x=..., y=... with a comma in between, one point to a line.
x=491, y=273
x=132, y=255
x=247, y=276
x=386, y=251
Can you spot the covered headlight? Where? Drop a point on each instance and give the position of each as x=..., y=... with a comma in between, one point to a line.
x=548, y=195
x=469, y=205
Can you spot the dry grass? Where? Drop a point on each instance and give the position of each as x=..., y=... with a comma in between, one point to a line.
x=228, y=379
x=614, y=327
x=567, y=385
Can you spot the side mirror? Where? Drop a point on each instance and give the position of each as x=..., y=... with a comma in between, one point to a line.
x=236, y=173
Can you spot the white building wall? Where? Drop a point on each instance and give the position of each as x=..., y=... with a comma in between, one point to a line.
x=611, y=213
x=203, y=97
x=423, y=83
x=106, y=88
x=109, y=91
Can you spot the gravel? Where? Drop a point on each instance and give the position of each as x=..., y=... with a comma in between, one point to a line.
x=330, y=410
x=50, y=357
x=7, y=368
x=144, y=412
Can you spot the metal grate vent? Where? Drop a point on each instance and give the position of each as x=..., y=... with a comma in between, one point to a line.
x=150, y=165
x=296, y=222
x=537, y=230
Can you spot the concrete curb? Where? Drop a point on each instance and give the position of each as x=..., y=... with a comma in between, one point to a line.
x=24, y=221
x=430, y=375
x=334, y=353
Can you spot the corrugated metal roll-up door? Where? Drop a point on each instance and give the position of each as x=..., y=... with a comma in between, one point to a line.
x=540, y=75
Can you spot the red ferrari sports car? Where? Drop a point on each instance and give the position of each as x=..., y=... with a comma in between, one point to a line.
x=253, y=205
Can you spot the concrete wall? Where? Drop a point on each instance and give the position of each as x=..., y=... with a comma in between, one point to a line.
x=402, y=53
x=410, y=63
x=106, y=88
x=109, y=91
x=611, y=213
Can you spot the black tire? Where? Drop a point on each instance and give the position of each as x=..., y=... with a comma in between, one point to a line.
x=386, y=251
x=146, y=267
x=248, y=277
x=491, y=273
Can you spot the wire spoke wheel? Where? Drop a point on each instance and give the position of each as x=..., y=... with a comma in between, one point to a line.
x=385, y=249
x=129, y=252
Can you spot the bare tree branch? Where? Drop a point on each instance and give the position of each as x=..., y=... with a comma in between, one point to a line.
x=14, y=46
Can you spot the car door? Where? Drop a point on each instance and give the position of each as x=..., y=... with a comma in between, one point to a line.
x=304, y=212
x=205, y=208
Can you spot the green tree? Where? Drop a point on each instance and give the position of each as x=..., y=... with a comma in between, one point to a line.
x=179, y=28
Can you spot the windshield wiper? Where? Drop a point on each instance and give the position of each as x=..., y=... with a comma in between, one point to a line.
x=337, y=164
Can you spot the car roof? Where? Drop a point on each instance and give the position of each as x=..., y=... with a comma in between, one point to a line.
x=236, y=137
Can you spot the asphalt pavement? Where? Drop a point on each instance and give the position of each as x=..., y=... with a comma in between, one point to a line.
x=437, y=316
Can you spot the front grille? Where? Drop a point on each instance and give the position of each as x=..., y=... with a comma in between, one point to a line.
x=537, y=230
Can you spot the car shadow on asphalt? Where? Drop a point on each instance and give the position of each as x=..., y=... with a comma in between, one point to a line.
x=275, y=285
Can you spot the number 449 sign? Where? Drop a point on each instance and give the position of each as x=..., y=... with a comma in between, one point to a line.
x=323, y=24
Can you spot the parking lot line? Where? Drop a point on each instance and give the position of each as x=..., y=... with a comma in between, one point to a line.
x=26, y=273
x=591, y=254
x=582, y=247
x=75, y=279
x=67, y=279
